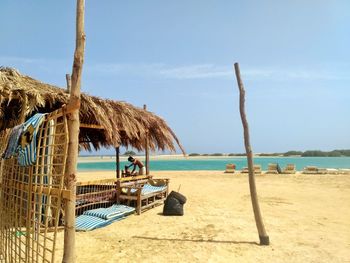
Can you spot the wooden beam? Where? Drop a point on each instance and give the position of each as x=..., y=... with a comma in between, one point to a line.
x=102, y=181
x=146, y=147
x=91, y=126
x=264, y=238
x=117, y=160
x=22, y=116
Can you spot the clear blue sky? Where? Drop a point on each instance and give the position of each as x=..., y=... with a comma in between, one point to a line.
x=177, y=57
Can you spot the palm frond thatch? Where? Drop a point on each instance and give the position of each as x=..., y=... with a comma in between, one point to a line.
x=122, y=123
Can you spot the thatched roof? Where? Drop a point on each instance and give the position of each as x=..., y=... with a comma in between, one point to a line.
x=122, y=123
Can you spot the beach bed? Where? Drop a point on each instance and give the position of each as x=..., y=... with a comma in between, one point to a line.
x=332, y=171
x=257, y=169
x=344, y=171
x=273, y=168
x=310, y=170
x=230, y=168
x=143, y=192
x=316, y=170
x=289, y=169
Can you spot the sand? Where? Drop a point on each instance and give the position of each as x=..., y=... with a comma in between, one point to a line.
x=307, y=218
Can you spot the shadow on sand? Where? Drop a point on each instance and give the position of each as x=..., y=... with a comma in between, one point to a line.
x=197, y=240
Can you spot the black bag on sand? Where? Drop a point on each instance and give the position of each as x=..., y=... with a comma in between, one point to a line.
x=173, y=205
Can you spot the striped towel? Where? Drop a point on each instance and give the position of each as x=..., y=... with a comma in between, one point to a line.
x=27, y=152
x=148, y=189
x=110, y=212
x=12, y=144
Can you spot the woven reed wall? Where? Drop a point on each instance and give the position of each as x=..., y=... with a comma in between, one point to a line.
x=31, y=196
x=95, y=194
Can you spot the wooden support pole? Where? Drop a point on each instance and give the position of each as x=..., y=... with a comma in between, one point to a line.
x=73, y=131
x=146, y=147
x=264, y=238
x=117, y=161
x=69, y=82
x=22, y=116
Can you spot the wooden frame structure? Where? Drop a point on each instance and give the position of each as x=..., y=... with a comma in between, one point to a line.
x=129, y=189
x=95, y=194
x=32, y=196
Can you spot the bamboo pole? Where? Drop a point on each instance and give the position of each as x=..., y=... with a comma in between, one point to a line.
x=69, y=82
x=117, y=160
x=146, y=147
x=22, y=116
x=264, y=238
x=73, y=131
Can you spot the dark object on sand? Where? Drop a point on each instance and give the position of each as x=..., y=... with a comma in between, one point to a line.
x=173, y=205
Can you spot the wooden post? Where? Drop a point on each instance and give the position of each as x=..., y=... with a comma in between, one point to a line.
x=146, y=147
x=69, y=82
x=73, y=131
x=22, y=116
x=117, y=161
x=264, y=238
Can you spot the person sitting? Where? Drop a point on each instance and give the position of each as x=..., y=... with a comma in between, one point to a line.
x=135, y=162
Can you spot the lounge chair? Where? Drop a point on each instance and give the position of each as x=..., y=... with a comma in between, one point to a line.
x=257, y=169
x=230, y=168
x=289, y=169
x=310, y=170
x=273, y=168
x=327, y=171
x=315, y=170
x=344, y=171
x=332, y=171
x=321, y=170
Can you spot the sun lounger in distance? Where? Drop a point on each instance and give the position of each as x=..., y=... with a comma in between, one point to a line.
x=230, y=168
x=289, y=169
x=257, y=169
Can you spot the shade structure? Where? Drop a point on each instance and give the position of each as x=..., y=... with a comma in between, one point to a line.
x=104, y=122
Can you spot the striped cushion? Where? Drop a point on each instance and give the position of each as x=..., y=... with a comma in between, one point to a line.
x=87, y=223
x=101, y=217
x=110, y=212
x=27, y=154
x=148, y=189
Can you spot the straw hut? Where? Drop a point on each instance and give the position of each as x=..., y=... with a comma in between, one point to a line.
x=103, y=122
x=33, y=197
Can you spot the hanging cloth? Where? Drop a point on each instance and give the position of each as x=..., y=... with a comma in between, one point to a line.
x=13, y=141
x=27, y=146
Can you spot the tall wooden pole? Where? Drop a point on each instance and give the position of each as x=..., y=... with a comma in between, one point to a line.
x=264, y=238
x=73, y=130
x=69, y=82
x=117, y=161
x=146, y=147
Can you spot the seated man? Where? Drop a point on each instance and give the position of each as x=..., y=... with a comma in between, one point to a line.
x=135, y=162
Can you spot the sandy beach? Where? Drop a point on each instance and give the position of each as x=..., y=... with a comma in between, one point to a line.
x=306, y=216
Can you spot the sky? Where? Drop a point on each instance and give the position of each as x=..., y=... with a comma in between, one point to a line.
x=177, y=57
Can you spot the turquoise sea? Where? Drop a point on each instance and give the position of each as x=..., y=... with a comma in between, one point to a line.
x=220, y=163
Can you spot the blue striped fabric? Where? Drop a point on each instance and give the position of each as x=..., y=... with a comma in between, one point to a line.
x=87, y=223
x=12, y=144
x=27, y=155
x=101, y=217
x=148, y=189
x=110, y=212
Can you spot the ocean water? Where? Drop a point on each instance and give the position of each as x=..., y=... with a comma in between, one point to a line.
x=220, y=163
